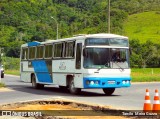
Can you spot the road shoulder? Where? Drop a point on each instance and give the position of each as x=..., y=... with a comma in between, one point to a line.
x=5, y=89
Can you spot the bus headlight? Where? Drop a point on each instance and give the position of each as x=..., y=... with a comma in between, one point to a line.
x=123, y=82
x=92, y=82
x=96, y=82
x=87, y=82
x=127, y=82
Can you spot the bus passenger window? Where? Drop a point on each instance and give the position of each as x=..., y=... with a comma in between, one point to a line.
x=39, y=53
x=48, y=51
x=78, y=55
x=69, y=49
x=24, y=54
x=31, y=52
x=58, y=50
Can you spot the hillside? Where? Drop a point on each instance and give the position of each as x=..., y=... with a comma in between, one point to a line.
x=36, y=20
x=143, y=26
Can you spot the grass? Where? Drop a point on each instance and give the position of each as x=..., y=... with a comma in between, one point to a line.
x=143, y=26
x=145, y=74
x=13, y=72
x=2, y=85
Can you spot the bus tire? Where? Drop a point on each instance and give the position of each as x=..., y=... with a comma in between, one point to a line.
x=72, y=88
x=35, y=84
x=108, y=91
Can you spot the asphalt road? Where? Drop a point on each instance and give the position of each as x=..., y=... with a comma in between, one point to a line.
x=131, y=98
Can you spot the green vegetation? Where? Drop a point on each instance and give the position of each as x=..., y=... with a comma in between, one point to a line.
x=143, y=26
x=30, y=20
x=11, y=63
x=13, y=72
x=145, y=74
x=144, y=55
x=24, y=21
x=2, y=85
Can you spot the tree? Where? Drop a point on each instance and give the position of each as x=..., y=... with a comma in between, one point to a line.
x=143, y=53
x=14, y=50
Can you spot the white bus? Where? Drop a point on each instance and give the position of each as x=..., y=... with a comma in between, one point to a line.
x=95, y=61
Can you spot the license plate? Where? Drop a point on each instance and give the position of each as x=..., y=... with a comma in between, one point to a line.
x=111, y=82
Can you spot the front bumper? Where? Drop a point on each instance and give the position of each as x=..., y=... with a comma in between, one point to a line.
x=106, y=82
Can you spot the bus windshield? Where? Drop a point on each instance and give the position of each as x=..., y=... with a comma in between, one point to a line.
x=106, y=58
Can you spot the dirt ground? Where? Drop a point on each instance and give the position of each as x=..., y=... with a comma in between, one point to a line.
x=4, y=89
x=59, y=110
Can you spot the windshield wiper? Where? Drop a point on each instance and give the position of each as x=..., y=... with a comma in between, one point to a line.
x=122, y=69
x=106, y=64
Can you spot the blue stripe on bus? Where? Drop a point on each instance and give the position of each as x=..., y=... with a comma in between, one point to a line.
x=106, y=82
x=41, y=71
x=33, y=44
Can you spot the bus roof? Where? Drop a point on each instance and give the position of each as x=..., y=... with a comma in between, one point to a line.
x=100, y=35
x=79, y=36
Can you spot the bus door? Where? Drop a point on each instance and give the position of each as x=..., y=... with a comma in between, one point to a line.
x=78, y=56
x=78, y=76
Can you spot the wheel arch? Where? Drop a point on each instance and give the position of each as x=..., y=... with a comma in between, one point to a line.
x=32, y=74
x=69, y=77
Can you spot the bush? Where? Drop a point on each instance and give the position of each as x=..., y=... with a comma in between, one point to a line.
x=11, y=63
x=2, y=85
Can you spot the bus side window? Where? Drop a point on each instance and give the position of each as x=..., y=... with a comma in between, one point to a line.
x=48, y=51
x=32, y=53
x=78, y=55
x=69, y=49
x=58, y=50
x=24, y=54
x=40, y=51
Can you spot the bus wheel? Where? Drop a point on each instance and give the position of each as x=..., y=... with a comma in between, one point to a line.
x=36, y=85
x=108, y=91
x=72, y=88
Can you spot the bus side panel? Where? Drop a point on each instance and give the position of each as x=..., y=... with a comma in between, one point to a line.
x=26, y=76
x=62, y=68
x=59, y=79
x=26, y=71
x=42, y=71
x=78, y=80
